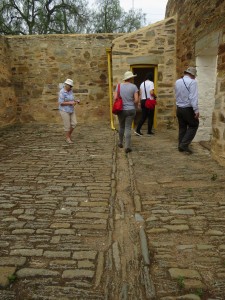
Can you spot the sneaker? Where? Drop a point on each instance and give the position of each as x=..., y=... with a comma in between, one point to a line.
x=180, y=149
x=188, y=151
x=149, y=133
x=138, y=133
x=127, y=150
x=120, y=145
x=185, y=150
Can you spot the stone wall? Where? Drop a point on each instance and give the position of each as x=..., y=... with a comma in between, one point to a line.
x=152, y=45
x=40, y=63
x=218, y=141
x=195, y=20
x=32, y=67
x=201, y=33
x=8, y=101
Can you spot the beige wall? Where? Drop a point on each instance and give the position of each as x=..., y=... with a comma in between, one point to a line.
x=218, y=123
x=154, y=45
x=40, y=63
x=8, y=101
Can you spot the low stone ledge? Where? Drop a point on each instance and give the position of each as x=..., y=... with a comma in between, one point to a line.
x=32, y=272
x=186, y=273
x=70, y=274
x=12, y=261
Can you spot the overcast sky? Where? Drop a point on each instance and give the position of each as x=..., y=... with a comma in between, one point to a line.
x=154, y=9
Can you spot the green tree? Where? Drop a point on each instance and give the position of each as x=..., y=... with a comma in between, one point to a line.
x=66, y=16
x=43, y=17
x=110, y=17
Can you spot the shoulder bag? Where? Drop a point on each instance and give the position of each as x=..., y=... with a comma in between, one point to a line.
x=118, y=104
x=186, y=85
x=149, y=103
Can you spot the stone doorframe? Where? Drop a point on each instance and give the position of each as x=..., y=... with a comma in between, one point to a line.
x=206, y=50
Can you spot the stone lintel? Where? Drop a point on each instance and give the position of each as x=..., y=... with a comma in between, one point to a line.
x=208, y=45
x=145, y=60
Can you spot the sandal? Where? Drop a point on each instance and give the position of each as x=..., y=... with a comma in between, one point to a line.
x=69, y=141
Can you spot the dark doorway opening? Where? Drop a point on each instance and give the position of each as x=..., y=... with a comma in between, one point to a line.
x=142, y=71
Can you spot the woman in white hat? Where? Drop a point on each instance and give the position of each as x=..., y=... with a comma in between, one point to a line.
x=129, y=94
x=66, y=107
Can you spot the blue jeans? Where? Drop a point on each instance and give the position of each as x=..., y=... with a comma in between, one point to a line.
x=126, y=118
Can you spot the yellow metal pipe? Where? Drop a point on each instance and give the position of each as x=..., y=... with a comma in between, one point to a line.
x=109, y=51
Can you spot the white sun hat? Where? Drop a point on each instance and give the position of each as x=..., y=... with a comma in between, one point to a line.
x=128, y=75
x=192, y=71
x=69, y=82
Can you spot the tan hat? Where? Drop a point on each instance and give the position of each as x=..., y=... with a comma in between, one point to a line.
x=128, y=75
x=69, y=82
x=192, y=71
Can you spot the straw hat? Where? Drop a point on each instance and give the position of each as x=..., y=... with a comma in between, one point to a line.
x=191, y=70
x=128, y=75
x=69, y=82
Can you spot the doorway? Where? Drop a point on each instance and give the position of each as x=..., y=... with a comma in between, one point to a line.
x=142, y=71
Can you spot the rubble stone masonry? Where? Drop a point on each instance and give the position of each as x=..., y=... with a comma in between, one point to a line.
x=200, y=24
x=36, y=65
x=32, y=67
x=8, y=101
x=153, y=45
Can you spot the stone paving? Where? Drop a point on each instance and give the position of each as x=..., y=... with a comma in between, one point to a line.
x=87, y=221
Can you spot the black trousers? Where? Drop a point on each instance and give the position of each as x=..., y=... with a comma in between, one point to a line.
x=146, y=113
x=188, y=126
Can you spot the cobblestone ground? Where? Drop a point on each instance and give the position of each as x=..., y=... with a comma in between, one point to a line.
x=87, y=221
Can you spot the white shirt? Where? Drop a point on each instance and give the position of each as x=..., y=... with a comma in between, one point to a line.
x=149, y=85
x=187, y=97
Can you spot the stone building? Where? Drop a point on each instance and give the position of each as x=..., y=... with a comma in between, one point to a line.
x=201, y=42
x=193, y=33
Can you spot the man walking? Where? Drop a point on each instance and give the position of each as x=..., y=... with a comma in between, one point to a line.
x=186, y=90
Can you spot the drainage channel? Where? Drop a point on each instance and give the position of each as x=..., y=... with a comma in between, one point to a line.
x=128, y=261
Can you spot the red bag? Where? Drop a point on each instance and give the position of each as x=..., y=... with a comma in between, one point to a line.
x=118, y=104
x=150, y=103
